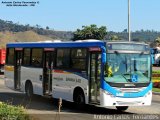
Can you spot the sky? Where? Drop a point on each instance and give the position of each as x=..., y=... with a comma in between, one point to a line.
x=69, y=15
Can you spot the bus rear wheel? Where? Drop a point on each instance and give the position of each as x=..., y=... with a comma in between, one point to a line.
x=122, y=108
x=29, y=90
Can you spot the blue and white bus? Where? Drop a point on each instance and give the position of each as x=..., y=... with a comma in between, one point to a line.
x=85, y=72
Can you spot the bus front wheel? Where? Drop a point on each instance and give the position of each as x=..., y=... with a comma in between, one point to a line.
x=29, y=89
x=79, y=100
x=122, y=108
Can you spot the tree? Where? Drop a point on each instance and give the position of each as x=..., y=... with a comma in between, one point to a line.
x=114, y=37
x=47, y=28
x=90, y=32
x=125, y=31
x=157, y=41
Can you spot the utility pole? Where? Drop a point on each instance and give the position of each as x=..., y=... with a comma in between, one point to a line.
x=129, y=34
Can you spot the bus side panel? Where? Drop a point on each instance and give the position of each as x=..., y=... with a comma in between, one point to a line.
x=9, y=76
x=64, y=84
x=32, y=74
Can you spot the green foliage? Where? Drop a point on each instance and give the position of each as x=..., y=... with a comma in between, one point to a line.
x=8, y=112
x=157, y=72
x=155, y=76
x=156, y=79
x=16, y=27
x=27, y=36
x=90, y=32
x=141, y=35
x=158, y=40
x=156, y=89
x=114, y=37
x=47, y=27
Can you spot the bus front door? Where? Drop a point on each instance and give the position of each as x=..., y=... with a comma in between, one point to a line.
x=47, y=72
x=94, y=85
x=17, y=68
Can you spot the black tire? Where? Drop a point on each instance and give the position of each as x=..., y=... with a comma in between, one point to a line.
x=29, y=90
x=122, y=108
x=79, y=100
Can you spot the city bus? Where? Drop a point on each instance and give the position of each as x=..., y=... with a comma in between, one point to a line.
x=155, y=55
x=85, y=72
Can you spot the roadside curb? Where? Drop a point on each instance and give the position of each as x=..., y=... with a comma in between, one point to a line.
x=156, y=93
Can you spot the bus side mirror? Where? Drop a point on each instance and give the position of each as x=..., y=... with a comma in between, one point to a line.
x=104, y=58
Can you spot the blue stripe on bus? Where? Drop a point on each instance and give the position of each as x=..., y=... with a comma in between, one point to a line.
x=108, y=88
x=56, y=45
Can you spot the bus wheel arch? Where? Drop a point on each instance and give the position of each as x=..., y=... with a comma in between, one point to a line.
x=29, y=88
x=78, y=96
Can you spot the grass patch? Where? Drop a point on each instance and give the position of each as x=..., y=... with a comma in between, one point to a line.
x=156, y=89
x=156, y=78
x=155, y=75
x=9, y=112
x=156, y=72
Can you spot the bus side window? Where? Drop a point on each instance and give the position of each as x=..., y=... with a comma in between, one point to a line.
x=26, y=56
x=36, y=57
x=10, y=56
x=63, y=58
x=78, y=58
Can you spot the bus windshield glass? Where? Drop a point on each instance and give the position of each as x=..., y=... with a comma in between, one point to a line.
x=127, y=67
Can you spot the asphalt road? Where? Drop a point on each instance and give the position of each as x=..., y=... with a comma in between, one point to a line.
x=47, y=109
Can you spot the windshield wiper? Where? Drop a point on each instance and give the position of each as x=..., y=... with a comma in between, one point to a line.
x=128, y=80
x=142, y=53
x=116, y=52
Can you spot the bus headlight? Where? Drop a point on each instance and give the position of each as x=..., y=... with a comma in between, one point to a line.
x=107, y=93
x=149, y=92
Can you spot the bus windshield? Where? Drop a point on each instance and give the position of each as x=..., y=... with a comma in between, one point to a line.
x=127, y=67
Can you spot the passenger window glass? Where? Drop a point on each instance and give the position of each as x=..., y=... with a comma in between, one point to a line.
x=26, y=58
x=37, y=57
x=78, y=58
x=63, y=58
x=78, y=53
x=10, y=56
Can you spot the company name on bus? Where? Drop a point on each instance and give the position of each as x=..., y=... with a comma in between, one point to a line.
x=73, y=80
x=68, y=79
x=58, y=78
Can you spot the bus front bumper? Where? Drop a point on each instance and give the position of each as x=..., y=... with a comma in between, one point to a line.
x=107, y=99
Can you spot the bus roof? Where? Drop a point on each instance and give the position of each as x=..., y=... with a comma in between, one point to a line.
x=127, y=42
x=55, y=44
